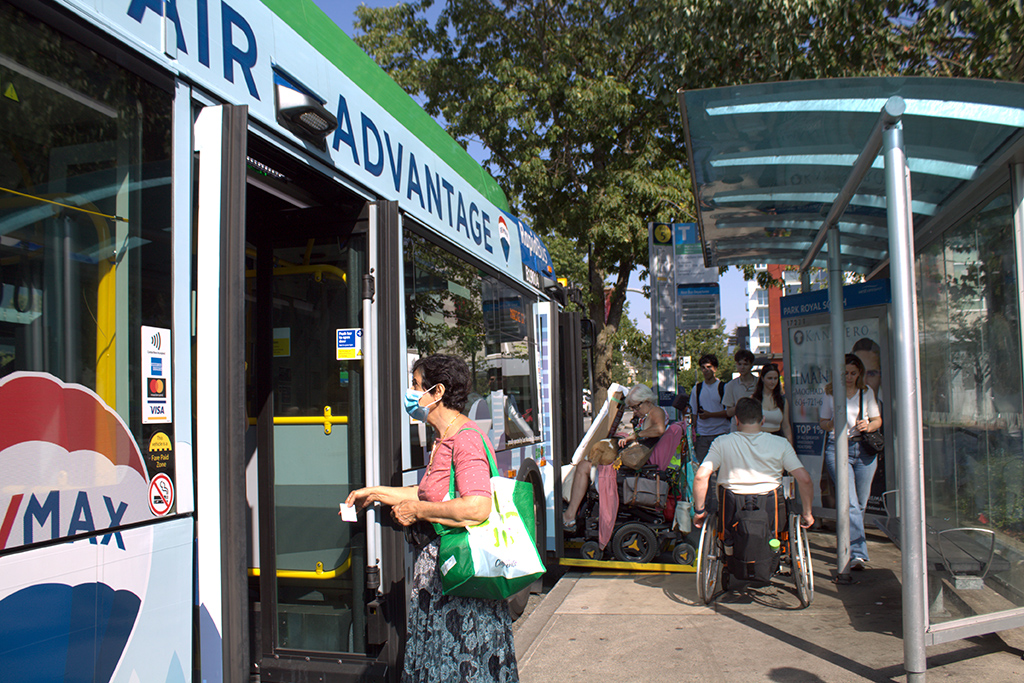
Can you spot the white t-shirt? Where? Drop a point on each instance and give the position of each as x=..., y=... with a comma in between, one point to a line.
x=734, y=391
x=871, y=410
x=751, y=463
x=711, y=402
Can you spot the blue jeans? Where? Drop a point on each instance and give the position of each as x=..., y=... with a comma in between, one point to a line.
x=862, y=473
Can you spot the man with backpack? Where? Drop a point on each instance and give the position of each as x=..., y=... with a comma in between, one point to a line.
x=750, y=464
x=707, y=410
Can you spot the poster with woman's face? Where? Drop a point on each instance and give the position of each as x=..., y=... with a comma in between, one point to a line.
x=810, y=369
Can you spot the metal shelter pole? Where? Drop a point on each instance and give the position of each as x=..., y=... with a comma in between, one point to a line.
x=907, y=404
x=839, y=433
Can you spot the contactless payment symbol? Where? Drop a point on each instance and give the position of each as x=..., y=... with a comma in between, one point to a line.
x=161, y=495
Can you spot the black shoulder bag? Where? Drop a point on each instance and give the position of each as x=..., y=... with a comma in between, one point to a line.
x=871, y=442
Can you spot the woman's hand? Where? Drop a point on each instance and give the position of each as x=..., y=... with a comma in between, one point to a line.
x=863, y=426
x=623, y=442
x=388, y=495
x=360, y=498
x=406, y=512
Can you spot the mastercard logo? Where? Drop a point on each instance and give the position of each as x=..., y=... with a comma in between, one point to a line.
x=157, y=388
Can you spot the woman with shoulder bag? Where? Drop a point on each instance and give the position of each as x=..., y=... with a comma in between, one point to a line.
x=450, y=638
x=859, y=420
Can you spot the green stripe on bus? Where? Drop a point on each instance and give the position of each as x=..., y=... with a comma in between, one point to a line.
x=327, y=38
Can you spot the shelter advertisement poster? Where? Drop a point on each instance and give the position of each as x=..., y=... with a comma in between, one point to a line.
x=809, y=366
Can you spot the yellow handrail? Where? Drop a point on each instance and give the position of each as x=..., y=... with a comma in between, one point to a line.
x=318, y=271
x=327, y=420
x=106, y=290
x=318, y=573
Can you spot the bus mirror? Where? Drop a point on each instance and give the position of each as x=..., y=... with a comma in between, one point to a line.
x=588, y=333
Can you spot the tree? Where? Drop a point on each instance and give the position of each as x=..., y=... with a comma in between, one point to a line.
x=571, y=102
x=575, y=103
x=631, y=348
x=696, y=343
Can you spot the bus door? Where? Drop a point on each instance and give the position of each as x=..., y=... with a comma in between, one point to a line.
x=306, y=373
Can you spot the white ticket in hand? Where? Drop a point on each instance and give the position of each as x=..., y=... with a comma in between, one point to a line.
x=348, y=512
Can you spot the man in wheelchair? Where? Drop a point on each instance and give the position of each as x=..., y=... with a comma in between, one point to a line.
x=750, y=502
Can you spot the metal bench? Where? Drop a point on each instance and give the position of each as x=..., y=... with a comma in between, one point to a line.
x=967, y=554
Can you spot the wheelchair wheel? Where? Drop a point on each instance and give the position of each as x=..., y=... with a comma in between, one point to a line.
x=800, y=559
x=709, y=560
x=591, y=551
x=683, y=553
x=634, y=542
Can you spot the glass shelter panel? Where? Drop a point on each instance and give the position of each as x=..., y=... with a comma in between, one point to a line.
x=972, y=409
x=457, y=309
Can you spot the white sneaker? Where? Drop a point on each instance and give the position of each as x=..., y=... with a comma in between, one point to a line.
x=857, y=564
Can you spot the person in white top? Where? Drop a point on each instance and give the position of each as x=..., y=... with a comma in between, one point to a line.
x=749, y=461
x=739, y=387
x=706, y=409
x=773, y=404
x=862, y=415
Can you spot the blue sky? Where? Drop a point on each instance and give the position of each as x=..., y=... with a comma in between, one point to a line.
x=342, y=12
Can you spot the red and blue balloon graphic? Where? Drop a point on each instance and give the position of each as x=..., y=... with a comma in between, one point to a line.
x=70, y=467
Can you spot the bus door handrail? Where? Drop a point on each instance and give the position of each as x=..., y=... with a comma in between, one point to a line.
x=327, y=420
x=318, y=574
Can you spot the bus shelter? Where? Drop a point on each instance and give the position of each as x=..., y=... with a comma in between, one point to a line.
x=919, y=181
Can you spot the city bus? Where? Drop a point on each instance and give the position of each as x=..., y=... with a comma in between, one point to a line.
x=225, y=236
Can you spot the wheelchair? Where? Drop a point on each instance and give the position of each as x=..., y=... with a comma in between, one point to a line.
x=641, y=532
x=712, y=568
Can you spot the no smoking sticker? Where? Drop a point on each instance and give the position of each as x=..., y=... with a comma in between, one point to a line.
x=161, y=495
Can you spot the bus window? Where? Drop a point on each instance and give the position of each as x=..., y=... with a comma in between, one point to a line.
x=454, y=308
x=85, y=260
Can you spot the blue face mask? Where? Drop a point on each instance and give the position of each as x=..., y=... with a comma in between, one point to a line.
x=412, y=404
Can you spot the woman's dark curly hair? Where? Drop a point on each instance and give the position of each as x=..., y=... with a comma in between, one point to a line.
x=450, y=371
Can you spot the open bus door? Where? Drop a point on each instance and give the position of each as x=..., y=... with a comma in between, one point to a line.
x=311, y=360
x=283, y=376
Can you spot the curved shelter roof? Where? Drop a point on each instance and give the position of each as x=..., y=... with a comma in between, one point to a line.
x=768, y=161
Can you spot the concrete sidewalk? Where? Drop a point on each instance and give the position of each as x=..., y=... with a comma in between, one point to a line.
x=615, y=627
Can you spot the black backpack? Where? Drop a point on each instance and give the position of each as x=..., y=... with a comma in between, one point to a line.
x=753, y=519
x=721, y=392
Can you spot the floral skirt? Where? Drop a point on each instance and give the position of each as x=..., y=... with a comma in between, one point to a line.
x=452, y=638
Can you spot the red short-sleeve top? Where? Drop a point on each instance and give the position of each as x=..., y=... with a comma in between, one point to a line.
x=472, y=469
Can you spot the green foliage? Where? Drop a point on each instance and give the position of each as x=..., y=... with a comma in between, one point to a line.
x=696, y=343
x=631, y=348
x=575, y=103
